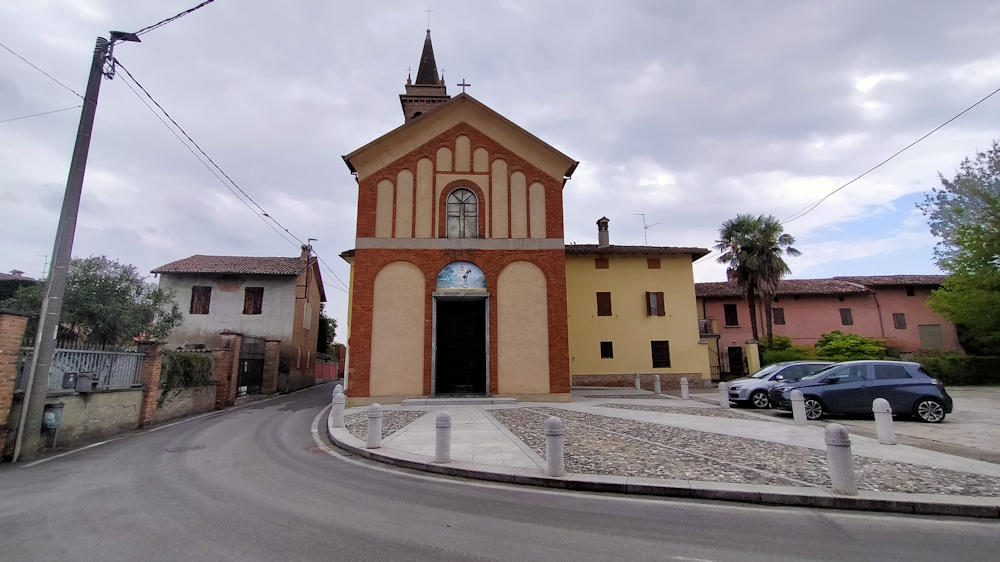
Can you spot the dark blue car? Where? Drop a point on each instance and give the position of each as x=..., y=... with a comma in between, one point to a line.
x=850, y=388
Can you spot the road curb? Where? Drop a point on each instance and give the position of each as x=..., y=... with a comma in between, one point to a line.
x=795, y=496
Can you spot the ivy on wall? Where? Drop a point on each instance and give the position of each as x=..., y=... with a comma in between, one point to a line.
x=182, y=370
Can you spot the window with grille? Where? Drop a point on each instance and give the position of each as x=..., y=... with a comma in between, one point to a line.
x=732, y=318
x=201, y=299
x=253, y=300
x=604, y=304
x=845, y=317
x=899, y=320
x=607, y=350
x=601, y=263
x=654, y=304
x=661, y=354
x=463, y=214
x=778, y=316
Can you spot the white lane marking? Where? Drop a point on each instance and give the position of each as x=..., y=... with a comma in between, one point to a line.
x=704, y=504
x=159, y=427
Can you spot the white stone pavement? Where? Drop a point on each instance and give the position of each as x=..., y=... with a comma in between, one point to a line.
x=477, y=437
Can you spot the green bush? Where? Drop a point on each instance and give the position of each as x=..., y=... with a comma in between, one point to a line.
x=769, y=357
x=838, y=346
x=778, y=343
x=954, y=369
x=184, y=370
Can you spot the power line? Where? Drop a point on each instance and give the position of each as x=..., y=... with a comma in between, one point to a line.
x=216, y=170
x=168, y=20
x=43, y=113
x=42, y=71
x=203, y=163
x=805, y=210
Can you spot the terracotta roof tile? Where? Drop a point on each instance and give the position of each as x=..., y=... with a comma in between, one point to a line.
x=894, y=280
x=785, y=287
x=240, y=265
x=590, y=249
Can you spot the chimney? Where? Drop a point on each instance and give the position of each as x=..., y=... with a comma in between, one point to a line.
x=16, y=272
x=306, y=252
x=602, y=232
x=730, y=275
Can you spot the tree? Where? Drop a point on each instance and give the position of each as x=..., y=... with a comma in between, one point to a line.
x=752, y=247
x=106, y=303
x=327, y=331
x=965, y=214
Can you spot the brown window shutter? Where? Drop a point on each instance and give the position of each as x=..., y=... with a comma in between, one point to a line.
x=652, y=263
x=660, y=309
x=649, y=305
x=845, y=317
x=778, y=316
x=253, y=300
x=201, y=298
x=601, y=263
x=604, y=304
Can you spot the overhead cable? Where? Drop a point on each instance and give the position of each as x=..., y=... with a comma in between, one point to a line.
x=42, y=71
x=39, y=114
x=168, y=20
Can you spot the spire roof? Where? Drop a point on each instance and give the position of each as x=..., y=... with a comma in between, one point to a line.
x=427, y=73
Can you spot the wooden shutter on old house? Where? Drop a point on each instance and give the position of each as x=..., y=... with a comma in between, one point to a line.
x=201, y=298
x=253, y=300
x=604, y=304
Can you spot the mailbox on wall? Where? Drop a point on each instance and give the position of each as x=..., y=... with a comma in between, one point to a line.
x=52, y=417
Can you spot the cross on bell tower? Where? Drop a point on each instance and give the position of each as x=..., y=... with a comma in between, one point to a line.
x=428, y=90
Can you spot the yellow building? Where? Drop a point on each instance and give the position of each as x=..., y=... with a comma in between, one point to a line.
x=632, y=310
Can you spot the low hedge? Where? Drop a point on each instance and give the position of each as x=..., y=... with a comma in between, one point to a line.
x=962, y=369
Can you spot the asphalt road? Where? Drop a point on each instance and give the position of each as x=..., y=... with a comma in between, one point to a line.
x=251, y=484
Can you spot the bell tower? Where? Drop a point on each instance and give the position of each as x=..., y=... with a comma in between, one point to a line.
x=428, y=91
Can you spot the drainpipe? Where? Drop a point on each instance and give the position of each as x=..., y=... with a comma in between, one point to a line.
x=878, y=307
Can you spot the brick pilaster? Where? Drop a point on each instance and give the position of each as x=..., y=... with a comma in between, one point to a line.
x=11, y=331
x=149, y=373
x=227, y=363
x=272, y=358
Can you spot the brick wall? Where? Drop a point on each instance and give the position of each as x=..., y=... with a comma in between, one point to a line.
x=149, y=373
x=368, y=262
x=226, y=369
x=272, y=359
x=11, y=331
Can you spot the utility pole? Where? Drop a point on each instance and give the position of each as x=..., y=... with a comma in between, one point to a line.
x=29, y=433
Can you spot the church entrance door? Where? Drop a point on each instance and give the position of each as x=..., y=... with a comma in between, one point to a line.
x=460, y=360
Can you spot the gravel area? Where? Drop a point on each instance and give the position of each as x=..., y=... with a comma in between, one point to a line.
x=687, y=410
x=605, y=445
x=392, y=421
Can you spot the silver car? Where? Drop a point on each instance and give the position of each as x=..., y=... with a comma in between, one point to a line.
x=753, y=390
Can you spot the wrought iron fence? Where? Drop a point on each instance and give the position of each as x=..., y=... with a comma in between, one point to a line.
x=111, y=369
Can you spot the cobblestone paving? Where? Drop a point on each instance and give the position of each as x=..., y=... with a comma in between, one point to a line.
x=708, y=412
x=392, y=421
x=604, y=445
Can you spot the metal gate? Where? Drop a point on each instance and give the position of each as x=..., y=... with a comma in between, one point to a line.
x=251, y=375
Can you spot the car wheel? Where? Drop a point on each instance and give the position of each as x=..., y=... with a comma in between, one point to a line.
x=814, y=409
x=929, y=410
x=759, y=400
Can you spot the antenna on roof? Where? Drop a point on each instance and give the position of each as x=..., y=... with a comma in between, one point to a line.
x=645, y=228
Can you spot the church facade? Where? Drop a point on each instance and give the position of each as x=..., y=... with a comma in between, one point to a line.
x=459, y=274
x=458, y=279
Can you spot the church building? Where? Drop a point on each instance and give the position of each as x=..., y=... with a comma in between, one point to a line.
x=459, y=270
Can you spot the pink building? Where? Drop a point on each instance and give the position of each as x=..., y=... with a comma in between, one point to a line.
x=891, y=307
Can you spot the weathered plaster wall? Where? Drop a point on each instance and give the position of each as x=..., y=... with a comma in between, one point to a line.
x=226, y=308
x=185, y=401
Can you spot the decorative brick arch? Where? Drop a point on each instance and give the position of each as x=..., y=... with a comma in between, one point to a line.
x=442, y=228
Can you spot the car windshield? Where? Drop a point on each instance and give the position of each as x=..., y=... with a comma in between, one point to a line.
x=765, y=372
x=817, y=374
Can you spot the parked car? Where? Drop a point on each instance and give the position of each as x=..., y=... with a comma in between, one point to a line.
x=850, y=388
x=753, y=390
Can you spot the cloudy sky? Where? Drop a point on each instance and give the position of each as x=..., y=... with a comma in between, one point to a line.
x=689, y=112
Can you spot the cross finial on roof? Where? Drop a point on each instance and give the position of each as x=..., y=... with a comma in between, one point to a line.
x=463, y=85
x=429, y=11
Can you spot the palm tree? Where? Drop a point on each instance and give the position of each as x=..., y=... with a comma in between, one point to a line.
x=752, y=247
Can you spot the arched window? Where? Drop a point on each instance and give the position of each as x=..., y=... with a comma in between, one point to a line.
x=463, y=214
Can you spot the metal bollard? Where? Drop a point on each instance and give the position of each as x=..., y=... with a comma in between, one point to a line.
x=883, y=421
x=656, y=384
x=724, y=395
x=337, y=410
x=442, y=442
x=554, y=435
x=375, y=426
x=685, y=395
x=798, y=407
x=638, y=382
x=838, y=454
